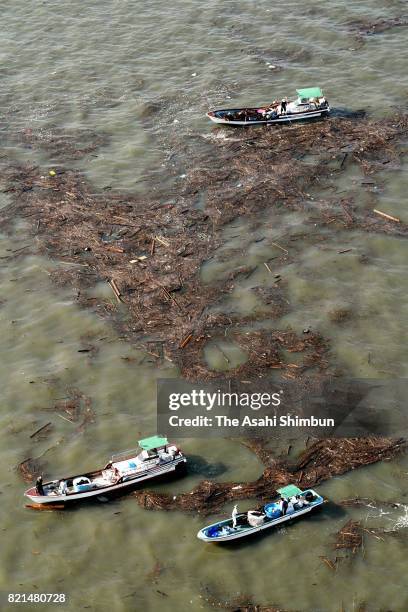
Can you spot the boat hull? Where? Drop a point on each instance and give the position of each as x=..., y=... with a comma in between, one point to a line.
x=176, y=466
x=246, y=532
x=289, y=118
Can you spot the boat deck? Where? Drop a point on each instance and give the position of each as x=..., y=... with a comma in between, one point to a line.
x=224, y=530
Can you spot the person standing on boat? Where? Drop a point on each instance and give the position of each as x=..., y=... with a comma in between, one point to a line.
x=297, y=502
x=273, y=106
x=234, y=516
x=39, y=486
x=284, y=505
x=62, y=489
x=283, y=106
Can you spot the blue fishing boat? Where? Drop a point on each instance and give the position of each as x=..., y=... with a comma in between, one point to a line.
x=293, y=503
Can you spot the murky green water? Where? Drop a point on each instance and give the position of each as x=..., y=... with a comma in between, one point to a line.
x=131, y=70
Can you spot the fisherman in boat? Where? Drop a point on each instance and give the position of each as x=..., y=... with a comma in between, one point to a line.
x=272, y=110
x=39, y=486
x=297, y=502
x=62, y=488
x=234, y=516
x=283, y=106
x=283, y=505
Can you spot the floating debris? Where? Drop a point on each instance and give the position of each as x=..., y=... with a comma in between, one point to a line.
x=350, y=537
x=320, y=461
x=239, y=603
x=365, y=27
x=163, y=294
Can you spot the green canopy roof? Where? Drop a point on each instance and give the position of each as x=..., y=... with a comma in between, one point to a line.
x=290, y=490
x=310, y=92
x=153, y=442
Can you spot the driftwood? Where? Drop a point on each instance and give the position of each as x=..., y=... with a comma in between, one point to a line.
x=79, y=412
x=163, y=293
x=350, y=537
x=240, y=603
x=41, y=429
x=365, y=27
x=386, y=216
x=30, y=468
x=321, y=461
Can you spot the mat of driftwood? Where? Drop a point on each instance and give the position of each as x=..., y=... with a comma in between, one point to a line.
x=321, y=461
x=150, y=249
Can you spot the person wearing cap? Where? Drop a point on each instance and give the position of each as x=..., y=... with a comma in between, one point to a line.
x=284, y=505
x=234, y=516
x=39, y=486
x=295, y=501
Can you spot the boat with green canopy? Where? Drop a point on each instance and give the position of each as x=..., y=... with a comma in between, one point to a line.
x=155, y=457
x=291, y=504
x=310, y=103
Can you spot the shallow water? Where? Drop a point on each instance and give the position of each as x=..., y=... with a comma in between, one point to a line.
x=130, y=71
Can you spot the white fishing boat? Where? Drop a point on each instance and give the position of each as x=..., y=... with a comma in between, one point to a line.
x=155, y=458
x=309, y=104
x=298, y=503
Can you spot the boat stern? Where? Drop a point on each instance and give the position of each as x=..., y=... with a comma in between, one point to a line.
x=318, y=499
x=33, y=495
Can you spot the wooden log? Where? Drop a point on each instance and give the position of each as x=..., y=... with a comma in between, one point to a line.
x=279, y=247
x=328, y=563
x=114, y=249
x=185, y=341
x=65, y=418
x=389, y=217
x=170, y=297
x=345, y=156
x=347, y=213
x=115, y=290
x=41, y=429
x=162, y=241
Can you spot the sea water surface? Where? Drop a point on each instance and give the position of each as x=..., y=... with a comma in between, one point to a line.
x=144, y=75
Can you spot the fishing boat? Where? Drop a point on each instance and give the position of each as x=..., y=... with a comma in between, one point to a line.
x=309, y=104
x=248, y=523
x=155, y=457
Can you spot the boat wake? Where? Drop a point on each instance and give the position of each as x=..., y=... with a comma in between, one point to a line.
x=402, y=521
